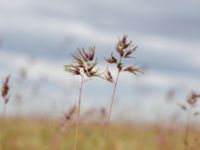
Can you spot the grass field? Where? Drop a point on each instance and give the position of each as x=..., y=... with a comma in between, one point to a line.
x=40, y=134
x=75, y=132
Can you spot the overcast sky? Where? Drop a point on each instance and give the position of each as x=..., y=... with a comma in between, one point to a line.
x=39, y=35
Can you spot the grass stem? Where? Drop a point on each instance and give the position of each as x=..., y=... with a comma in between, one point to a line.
x=78, y=115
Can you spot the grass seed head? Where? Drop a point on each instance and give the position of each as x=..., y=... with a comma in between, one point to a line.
x=69, y=114
x=85, y=63
x=108, y=76
x=125, y=49
x=111, y=59
x=183, y=107
x=133, y=70
x=5, y=89
x=193, y=98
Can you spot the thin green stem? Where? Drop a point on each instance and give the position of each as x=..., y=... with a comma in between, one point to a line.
x=78, y=115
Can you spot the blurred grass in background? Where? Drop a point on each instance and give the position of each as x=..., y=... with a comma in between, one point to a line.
x=43, y=134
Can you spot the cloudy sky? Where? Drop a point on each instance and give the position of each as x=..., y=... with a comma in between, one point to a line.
x=38, y=36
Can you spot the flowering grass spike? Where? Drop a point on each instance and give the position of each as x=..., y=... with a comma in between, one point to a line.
x=85, y=67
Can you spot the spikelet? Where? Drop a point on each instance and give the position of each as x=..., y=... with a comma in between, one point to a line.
x=5, y=89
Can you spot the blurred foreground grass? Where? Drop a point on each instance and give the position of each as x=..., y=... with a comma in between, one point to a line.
x=41, y=134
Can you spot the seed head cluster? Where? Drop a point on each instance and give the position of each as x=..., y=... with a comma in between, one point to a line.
x=85, y=63
x=191, y=101
x=125, y=49
x=193, y=98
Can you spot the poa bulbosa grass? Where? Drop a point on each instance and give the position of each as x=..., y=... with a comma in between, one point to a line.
x=85, y=67
x=125, y=50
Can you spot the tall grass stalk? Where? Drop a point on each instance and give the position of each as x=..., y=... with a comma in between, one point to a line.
x=111, y=103
x=85, y=67
x=78, y=115
x=113, y=98
x=124, y=49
